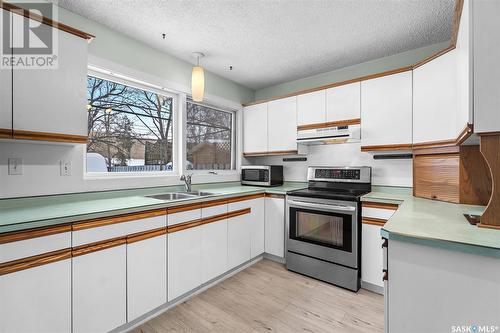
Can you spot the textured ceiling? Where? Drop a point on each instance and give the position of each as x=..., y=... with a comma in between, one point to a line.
x=273, y=41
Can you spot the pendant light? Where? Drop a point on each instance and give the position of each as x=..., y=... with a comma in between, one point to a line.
x=198, y=79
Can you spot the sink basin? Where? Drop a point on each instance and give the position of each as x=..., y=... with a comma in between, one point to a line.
x=171, y=196
x=199, y=193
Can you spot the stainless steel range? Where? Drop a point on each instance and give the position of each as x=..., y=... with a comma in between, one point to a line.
x=324, y=225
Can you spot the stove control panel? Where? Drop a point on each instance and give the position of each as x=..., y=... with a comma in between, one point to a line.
x=340, y=174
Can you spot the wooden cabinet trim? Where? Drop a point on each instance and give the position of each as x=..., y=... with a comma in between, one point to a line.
x=140, y=236
x=184, y=226
x=373, y=221
x=346, y=122
x=402, y=146
x=34, y=261
x=66, y=28
x=5, y=133
x=246, y=197
x=45, y=136
x=380, y=205
x=94, y=223
x=271, y=153
x=16, y=236
x=198, y=222
x=184, y=208
x=239, y=212
x=214, y=203
x=275, y=195
x=462, y=136
x=490, y=150
x=98, y=246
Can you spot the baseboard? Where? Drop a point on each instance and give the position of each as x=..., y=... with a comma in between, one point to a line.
x=272, y=257
x=167, y=306
x=372, y=287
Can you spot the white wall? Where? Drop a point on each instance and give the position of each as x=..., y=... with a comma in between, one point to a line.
x=384, y=172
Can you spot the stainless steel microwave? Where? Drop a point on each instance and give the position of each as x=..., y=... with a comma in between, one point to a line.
x=262, y=175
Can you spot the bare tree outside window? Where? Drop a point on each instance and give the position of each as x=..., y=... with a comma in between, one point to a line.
x=209, y=138
x=129, y=129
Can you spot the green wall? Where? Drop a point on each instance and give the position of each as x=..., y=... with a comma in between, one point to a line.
x=371, y=67
x=118, y=48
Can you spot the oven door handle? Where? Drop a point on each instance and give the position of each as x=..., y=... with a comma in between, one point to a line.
x=322, y=206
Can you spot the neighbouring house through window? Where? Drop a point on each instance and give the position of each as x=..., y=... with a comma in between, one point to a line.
x=129, y=129
x=209, y=138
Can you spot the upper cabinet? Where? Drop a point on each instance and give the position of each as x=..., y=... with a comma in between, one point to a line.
x=311, y=108
x=255, y=128
x=282, y=125
x=486, y=69
x=343, y=102
x=386, y=116
x=51, y=103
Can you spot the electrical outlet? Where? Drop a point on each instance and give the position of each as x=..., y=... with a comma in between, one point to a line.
x=65, y=168
x=15, y=166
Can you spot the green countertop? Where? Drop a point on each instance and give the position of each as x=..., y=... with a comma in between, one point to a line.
x=26, y=213
x=435, y=223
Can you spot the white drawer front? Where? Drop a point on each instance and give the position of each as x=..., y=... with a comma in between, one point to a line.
x=34, y=246
x=239, y=205
x=213, y=211
x=97, y=234
x=377, y=213
x=182, y=217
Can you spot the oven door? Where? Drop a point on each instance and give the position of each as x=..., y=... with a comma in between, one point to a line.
x=323, y=229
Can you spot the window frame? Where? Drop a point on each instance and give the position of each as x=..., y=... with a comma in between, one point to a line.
x=234, y=138
x=131, y=82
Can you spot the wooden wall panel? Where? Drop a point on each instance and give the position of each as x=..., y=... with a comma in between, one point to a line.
x=475, y=179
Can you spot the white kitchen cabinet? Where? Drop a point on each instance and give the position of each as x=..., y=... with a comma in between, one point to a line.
x=5, y=98
x=146, y=275
x=54, y=100
x=213, y=250
x=282, y=125
x=486, y=70
x=257, y=228
x=371, y=255
x=37, y=299
x=238, y=240
x=386, y=110
x=435, y=100
x=275, y=226
x=311, y=108
x=255, y=128
x=343, y=102
x=184, y=261
x=99, y=290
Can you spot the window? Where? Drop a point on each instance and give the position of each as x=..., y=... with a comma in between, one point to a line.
x=129, y=129
x=209, y=138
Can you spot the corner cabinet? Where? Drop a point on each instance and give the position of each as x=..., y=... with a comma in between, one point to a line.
x=386, y=113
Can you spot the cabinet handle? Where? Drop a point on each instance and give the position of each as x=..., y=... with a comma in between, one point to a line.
x=386, y=275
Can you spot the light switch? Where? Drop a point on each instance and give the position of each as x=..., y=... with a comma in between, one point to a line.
x=65, y=168
x=15, y=166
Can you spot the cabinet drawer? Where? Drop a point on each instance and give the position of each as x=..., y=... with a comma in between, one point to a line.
x=377, y=213
x=185, y=216
x=121, y=229
x=23, y=244
x=239, y=205
x=213, y=210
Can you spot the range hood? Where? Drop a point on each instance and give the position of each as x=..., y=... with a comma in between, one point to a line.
x=330, y=135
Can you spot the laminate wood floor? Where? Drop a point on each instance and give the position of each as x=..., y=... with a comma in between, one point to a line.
x=267, y=298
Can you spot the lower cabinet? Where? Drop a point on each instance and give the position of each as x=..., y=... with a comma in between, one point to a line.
x=257, y=227
x=275, y=226
x=146, y=275
x=238, y=239
x=37, y=299
x=184, y=261
x=99, y=290
x=371, y=255
x=213, y=250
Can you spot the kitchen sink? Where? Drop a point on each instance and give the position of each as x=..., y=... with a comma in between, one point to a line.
x=199, y=193
x=171, y=196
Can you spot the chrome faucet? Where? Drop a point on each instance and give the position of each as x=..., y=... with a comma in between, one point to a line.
x=187, y=182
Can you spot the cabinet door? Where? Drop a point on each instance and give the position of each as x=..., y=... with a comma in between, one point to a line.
x=238, y=240
x=311, y=108
x=371, y=255
x=184, y=261
x=54, y=100
x=257, y=221
x=386, y=110
x=213, y=249
x=435, y=100
x=146, y=275
x=275, y=226
x=282, y=124
x=343, y=102
x=5, y=99
x=99, y=290
x=255, y=128
x=37, y=299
